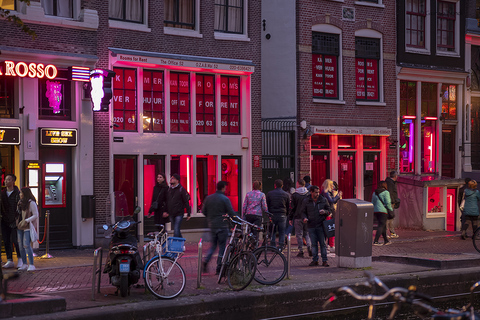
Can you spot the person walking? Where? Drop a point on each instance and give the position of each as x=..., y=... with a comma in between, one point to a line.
x=332, y=195
x=461, y=193
x=278, y=203
x=392, y=189
x=470, y=209
x=254, y=205
x=381, y=204
x=215, y=207
x=177, y=202
x=10, y=196
x=314, y=212
x=295, y=218
x=307, y=182
x=159, y=196
x=27, y=207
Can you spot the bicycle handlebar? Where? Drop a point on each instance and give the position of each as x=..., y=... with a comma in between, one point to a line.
x=241, y=221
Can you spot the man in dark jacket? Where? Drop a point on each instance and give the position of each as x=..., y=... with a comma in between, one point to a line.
x=461, y=192
x=315, y=210
x=214, y=207
x=392, y=189
x=278, y=203
x=177, y=202
x=296, y=218
x=9, y=200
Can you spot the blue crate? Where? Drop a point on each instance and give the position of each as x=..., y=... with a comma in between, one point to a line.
x=175, y=244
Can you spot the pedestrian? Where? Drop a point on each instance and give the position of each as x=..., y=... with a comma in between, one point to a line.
x=215, y=207
x=289, y=188
x=314, y=212
x=392, y=189
x=254, y=205
x=9, y=200
x=470, y=209
x=278, y=203
x=381, y=204
x=332, y=195
x=296, y=219
x=28, y=212
x=178, y=201
x=158, y=203
x=461, y=193
x=307, y=182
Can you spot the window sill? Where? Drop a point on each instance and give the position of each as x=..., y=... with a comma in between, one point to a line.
x=182, y=32
x=435, y=215
x=417, y=51
x=369, y=4
x=371, y=103
x=230, y=36
x=128, y=26
x=328, y=101
x=448, y=54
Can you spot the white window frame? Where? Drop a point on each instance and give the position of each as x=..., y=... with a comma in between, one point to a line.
x=369, y=33
x=427, y=49
x=328, y=28
x=195, y=33
x=218, y=35
x=132, y=25
x=456, y=52
x=370, y=4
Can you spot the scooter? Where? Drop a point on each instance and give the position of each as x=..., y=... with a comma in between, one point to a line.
x=124, y=264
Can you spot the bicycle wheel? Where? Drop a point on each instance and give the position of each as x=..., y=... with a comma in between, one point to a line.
x=225, y=261
x=476, y=239
x=271, y=265
x=164, y=278
x=241, y=270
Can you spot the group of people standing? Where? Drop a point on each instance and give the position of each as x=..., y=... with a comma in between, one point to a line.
x=18, y=209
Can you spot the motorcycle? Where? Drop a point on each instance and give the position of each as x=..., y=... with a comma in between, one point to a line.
x=124, y=264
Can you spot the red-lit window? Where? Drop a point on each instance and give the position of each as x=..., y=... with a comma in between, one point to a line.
x=230, y=104
x=408, y=100
x=153, y=107
x=325, y=52
x=231, y=173
x=320, y=141
x=346, y=142
x=180, y=102
x=125, y=99
x=55, y=97
x=429, y=146
x=205, y=104
x=415, y=23
x=429, y=99
x=206, y=178
x=446, y=26
x=449, y=101
x=367, y=57
x=371, y=142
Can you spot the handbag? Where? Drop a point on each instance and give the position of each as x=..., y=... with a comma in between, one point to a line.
x=33, y=233
x=329, y=228
x=462, y=204
x=390, y=213
x=154, y=205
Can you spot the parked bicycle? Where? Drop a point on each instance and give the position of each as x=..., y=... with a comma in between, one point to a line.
x=164, y=276
x=476, y=239
x=420, y=302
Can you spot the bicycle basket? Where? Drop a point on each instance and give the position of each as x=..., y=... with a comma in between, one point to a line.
x=176, y=245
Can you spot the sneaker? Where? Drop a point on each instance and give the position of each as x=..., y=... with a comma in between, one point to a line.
x=325, y=264
x=377, y=244
x=394, y=236
x=313, y=263
x=300, y=254
x=23, y=267
x=19, y=263
x=310, y=253
x=387, y=243
x=332, y=249
x=8, y=264
x=388, y=236
x=31, y=268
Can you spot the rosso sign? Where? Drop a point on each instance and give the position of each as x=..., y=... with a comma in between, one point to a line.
x=32, y=70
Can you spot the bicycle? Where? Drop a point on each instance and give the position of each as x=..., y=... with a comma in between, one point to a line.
x=164, y=276
x=476, y=239
x=238, y=265
x=405, y=296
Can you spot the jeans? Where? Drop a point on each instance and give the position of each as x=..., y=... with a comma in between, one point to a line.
x=317, y=235
x=10, y=237
x=278, y=222
x=301, y=232
x=256, y=220
x=177, y=221
x=381, y=229
x=219, y=237
x=25, y=248
x=390, y=226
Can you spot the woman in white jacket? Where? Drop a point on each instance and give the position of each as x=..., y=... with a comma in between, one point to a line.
x=28, y=212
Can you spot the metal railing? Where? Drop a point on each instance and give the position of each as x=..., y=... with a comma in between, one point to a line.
x=97, y=261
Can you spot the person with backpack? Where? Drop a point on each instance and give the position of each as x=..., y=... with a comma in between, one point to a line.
x=381, y=204
x=470, y=209
x=178, y=201
x=296, y=220
x=392, y=189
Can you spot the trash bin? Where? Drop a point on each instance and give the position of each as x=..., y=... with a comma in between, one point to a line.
x=353, y=233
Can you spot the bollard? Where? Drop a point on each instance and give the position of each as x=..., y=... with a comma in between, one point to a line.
x=96, y=270
x=289, y=247
x=199, y=271
x=47, y=230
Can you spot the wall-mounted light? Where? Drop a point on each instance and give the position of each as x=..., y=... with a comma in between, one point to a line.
x=303, y=124
x=245, y=143
x=443, y=117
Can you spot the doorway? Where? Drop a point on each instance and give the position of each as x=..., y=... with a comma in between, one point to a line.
x=448, y=151
x=346, y=174
x=320, y=168
x=451, y=210
x=125, y=179
x=371, y=167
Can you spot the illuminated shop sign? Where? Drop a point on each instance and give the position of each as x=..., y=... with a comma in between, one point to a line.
x=79, y=73
x=58, y=137
x=32, y=70
x=353, y=130
x=10, y=135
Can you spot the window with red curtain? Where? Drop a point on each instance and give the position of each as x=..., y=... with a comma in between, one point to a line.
x=205, y=104
x=325, y=52
x=153, y=107
x=179, y=102
x=231, y=174
x=125, y=99
x=367, y=57
x=230, y=104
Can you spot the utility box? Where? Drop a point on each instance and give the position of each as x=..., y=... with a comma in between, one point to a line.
x=353, y=233
x=88, y=207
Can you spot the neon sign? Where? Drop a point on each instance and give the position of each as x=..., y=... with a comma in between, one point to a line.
x=32, y=70
x=64, y=137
